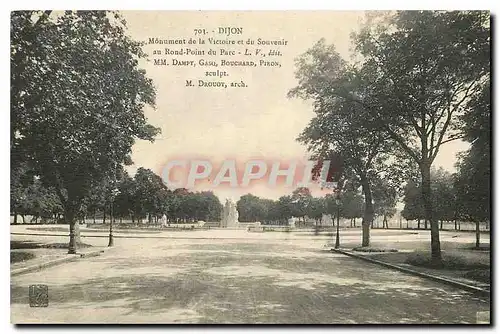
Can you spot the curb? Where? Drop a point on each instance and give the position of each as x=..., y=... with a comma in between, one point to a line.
x=440, y=279
x=91, y=254
x=40, y=266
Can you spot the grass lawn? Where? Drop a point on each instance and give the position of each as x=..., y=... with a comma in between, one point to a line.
x=36, y=245
x=16, y=257
x=468, y=264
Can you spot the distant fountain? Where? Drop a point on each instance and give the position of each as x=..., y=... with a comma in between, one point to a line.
x=229, y=215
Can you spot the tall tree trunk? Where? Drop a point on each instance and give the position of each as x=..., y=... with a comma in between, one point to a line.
x=77, y=232
x=104, y=215
x=425, y=169
x=354, y=222
x=441, y=225
x=425, y=224
x=455, y=224
x=418, y=223
x=368, y=214
x=69, y=218
x=95, y=211
x=24, y=219
x=478, y=235
x=15, y=217
x=384, y=222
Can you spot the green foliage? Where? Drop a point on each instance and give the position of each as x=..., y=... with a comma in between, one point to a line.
x=316, y=208
x=149, y=194
x=337, y=126
x=284, y=207
x=384, y=198
x=301, y=198
x=351, y=204
x=251, y=208
x=443, y=196
x=146, y=195
x=474, y=167
x=417, y=75
x=421, y=70
x=414, y=207
x=77, y=97
x=29, y=196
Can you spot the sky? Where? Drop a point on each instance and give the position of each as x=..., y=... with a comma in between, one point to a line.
x=238, y=123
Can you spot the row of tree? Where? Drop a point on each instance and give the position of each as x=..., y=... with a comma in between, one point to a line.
x=419, y=80
x=78, y=98
x=301, y=204
x=451, y=202
x=133, y=198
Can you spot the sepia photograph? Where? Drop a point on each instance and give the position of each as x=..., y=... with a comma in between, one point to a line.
x=325, y=167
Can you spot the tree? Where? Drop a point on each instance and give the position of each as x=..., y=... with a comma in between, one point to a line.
x=337, y=126
x=21, y=178
x=444, y=195
x=176, y=203
x=421, y=68
x=474, y=176
x=212, y=207
x=251, y=208
x=77, y=97
x=34, y=199
x=352, y=204
x=315, y=209
x=300, y=201
x=385, y=198
x=414, y=207
x=284, y=206
x=125, y=201
x=150, y=194
x=274, y=212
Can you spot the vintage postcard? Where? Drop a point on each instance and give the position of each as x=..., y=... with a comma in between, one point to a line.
x=250, y=167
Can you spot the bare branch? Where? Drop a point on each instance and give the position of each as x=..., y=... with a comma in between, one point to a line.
x=448, y=120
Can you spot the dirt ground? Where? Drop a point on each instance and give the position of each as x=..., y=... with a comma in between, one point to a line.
x=224, y=276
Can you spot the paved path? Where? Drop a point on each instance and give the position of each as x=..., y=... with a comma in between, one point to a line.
x=233, y=280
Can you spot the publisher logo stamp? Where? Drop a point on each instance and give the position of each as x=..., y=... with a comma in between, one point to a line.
x=483, y=317
x=39, y=295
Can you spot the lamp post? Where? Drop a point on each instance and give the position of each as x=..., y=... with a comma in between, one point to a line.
x=114, y=192
x=337, y=237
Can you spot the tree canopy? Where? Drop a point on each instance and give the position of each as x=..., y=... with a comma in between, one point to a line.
x=78, y=99
x=416, y=75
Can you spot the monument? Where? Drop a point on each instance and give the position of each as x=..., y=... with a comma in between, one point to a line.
x=229, y=215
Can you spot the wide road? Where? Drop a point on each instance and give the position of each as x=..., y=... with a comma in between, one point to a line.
x=236, y=277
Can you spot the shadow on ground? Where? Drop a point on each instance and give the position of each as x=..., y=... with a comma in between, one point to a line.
x=37, y=245
x=243, y=283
